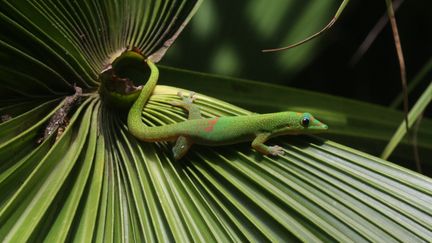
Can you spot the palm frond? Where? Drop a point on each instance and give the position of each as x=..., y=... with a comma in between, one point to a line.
x=95, y=182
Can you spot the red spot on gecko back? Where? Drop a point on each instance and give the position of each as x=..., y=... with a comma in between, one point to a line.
x=210, y=124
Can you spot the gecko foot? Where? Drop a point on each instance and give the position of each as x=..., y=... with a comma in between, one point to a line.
x=187, y=104
x=186, y=99
x=276, y=150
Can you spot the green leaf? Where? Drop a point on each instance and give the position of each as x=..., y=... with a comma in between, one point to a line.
x=413, y=116
x=95, y=182
x=318, y=190
x=40, y=188
x=50, y=45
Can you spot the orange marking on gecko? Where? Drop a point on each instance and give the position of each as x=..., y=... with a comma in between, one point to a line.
x=210, y=125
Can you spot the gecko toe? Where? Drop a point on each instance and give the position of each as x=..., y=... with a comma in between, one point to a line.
x=192, y=96
x=276, y=150
x=175, y=103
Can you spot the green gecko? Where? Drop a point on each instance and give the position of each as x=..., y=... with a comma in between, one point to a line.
x=215, y=131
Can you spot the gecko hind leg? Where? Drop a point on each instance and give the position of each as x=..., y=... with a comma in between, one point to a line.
x=187, y=104
x=183, y=144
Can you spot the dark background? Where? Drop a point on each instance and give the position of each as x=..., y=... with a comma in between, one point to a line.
x=225, y=37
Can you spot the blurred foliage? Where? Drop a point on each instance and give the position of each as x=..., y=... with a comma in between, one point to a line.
x=226, y=37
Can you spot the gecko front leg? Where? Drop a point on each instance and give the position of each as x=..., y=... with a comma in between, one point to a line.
x=258, y=145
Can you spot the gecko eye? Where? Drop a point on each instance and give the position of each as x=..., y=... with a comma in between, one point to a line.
x=305, y=121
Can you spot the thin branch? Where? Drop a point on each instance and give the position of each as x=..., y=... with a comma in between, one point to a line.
x=398, y=45
x=371, y=37
x=328, y=26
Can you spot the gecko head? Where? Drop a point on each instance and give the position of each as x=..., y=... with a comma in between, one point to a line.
x=307, y=122
x=291, y=123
